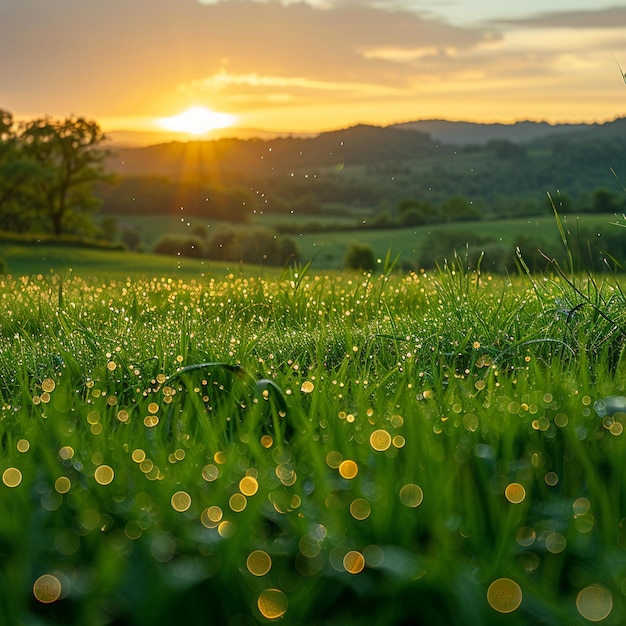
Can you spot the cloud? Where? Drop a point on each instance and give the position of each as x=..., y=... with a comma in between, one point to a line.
x=611, y=17
x=134, y=52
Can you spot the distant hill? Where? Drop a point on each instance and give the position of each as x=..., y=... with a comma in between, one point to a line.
x=359, y=144
x=463, y=133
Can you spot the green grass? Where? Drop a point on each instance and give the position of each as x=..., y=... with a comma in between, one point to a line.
x=314, y=448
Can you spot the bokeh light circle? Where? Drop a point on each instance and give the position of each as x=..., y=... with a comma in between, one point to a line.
x=594, y=603
x=259, y=563
x=47, y=589
x=411, y=495
x=12, y=477
x=515, y=493
x=380, y=440
x=181, y=501
x=272, y=603
x=104, y=475
x=504, y=595
x=348, y=469
x=354, y=562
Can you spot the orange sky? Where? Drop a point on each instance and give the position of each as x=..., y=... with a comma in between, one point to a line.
x=313, y=65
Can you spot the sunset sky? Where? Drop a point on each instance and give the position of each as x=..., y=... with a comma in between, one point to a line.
x=313, y=65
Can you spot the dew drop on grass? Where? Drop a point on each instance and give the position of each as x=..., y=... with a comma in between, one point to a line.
x=380, y=440
x=104, y=475
x=23, y=445
x=150, y=421
x=504, y=595
x=307, y=387
x=12, y=477
x=267, y=441
x=259, y=563
x=272, y=603
x=411, y=495
x=47, y=589
x=515, y=493
x=594, y=603
x=48, y=385
x=181, y=501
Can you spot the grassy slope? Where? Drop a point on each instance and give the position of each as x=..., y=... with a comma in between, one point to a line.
x=27, y=260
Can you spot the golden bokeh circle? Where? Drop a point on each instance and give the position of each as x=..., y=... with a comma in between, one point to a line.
x=47, y=589
x=248, y=485
x=150, y=421
x=594, y=603
x=259, y=563
x=237, y=502
x=411, y=495
x=181, y=501
x=360, y=508
x=12, y=477
x=504, y=595
x=62, y=484
x=354, y=562
x=380, y=440
x=272, y=603
x=348, y=469
x=23, y=445
x=104, y=475
x=210, y=472
x=515, y=493
x=555, y=543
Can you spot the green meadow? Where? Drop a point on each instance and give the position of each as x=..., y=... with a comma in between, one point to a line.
x=185, y=442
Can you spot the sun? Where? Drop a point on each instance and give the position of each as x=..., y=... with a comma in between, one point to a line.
x=197, y=121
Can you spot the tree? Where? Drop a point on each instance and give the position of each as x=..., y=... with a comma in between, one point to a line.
x=69, y=160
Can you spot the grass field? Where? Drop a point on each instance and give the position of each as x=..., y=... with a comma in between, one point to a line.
x=312, y=448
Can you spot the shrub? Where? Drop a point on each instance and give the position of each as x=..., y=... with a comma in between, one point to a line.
x=180, y=246
x=360, y=256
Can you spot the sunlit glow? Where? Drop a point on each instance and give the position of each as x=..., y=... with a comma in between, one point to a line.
x=197, y=121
